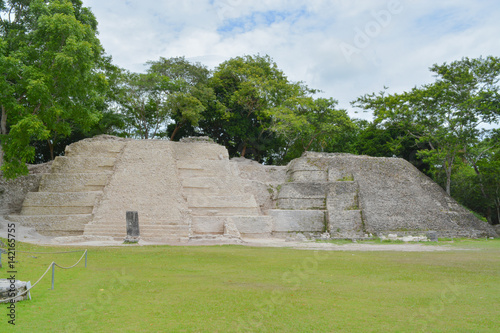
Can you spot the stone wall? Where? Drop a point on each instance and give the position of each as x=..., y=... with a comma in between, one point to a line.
x=13, y=192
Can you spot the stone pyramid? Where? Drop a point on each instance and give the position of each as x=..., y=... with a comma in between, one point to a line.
x=191, y=189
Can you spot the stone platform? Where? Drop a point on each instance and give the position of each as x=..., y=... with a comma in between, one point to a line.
x=187, y=190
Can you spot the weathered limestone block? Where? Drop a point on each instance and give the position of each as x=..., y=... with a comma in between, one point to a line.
x=345, y=223
x=308, y=170
x=102, y=145
x=253, y=226
x=211, y=225
x=18, y=287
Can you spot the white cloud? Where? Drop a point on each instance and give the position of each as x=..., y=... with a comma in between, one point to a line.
x=394, y=42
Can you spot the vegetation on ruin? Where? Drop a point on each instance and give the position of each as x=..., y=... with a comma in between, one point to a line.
x=235, y=288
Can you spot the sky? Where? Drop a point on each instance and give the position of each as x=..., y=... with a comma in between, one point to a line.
x=345, y=48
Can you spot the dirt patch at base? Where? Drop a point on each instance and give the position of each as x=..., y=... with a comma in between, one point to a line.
x=28, y=235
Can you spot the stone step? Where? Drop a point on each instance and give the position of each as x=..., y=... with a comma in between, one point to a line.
x=109, y=148
x=56, y=210
x=79, y=164
x=303, y=190
x=303, y=196
x=211, y=186
x=248, y=226
x=299, y=220
x=146, y=231
x=223, y=173
x=198, y=191
x=254, y=226
x=77, y=182
x=53, y=203
x=302, y=203
x=56, y=199
x=209, y=182
x=217, y=165
x=207, y=169
x=301, y=171
x=225, y=211
x=199, y=152
x=213, y=225
x=74, y=223
x=216, y=202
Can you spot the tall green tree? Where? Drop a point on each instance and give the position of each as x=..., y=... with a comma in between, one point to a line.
x=252, y=89
x=51, y=75
x=309, y=124
x=170, y=96
x=484, y=160
x=445, y=115
x=189, y=94
x=142, y=99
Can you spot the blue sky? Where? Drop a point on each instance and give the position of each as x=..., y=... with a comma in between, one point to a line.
x=346, y=48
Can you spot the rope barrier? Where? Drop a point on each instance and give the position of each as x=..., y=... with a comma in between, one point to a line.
x=83, y=255
x=52, y=264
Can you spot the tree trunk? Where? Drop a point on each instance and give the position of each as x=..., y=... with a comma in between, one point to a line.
x=244, y=150
x=448, y=178
x=176, y=129
x=448, y=169
x=3, y=125
x=306, y=148
x=3, y=131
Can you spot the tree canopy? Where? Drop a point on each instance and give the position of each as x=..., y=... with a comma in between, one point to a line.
x=445, y=115
x=51, y=75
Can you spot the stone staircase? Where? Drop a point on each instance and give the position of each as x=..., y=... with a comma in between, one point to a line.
x=301, y=201
x=214, y=193
x=144, y=180
x=344, y=214
x=67, y=195
x=317, y=199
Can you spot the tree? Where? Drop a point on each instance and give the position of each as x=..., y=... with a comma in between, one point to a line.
x=172, y=95
x=252, y=89
x=309, y=124
x=445, y=115
x=189, y=94
x=388, y=141
x=483, y=162
x=51, y=75
x=142, y=99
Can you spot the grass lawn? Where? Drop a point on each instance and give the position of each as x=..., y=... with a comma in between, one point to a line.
x=236, y=288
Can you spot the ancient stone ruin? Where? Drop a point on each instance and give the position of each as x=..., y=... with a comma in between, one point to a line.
x=189, y=190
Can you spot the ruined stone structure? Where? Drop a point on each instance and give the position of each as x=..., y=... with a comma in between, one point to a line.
x=189, y=190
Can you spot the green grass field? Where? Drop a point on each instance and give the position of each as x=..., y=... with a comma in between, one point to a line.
x=236, y=288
